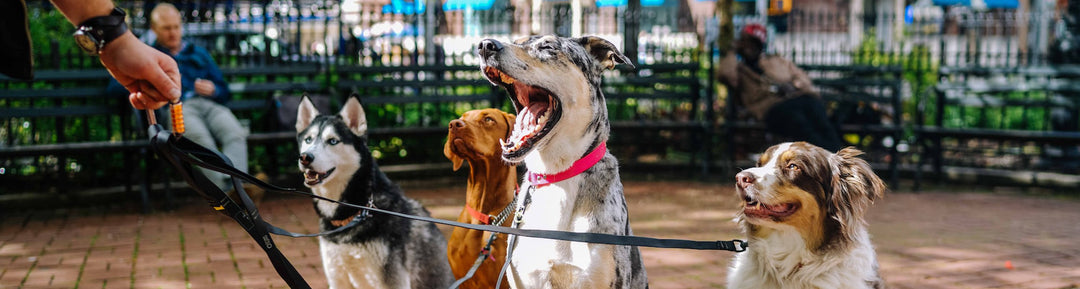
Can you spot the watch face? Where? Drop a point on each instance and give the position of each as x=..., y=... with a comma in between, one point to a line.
x=86, y=41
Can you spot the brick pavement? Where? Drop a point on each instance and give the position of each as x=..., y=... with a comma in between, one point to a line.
x=928, y=240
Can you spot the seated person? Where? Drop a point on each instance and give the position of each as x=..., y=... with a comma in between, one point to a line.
x=206, y=121
x=776, y=91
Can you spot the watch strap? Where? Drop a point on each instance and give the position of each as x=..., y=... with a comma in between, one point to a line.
x=106, y=28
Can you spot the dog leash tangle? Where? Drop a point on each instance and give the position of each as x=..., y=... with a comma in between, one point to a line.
x=184, y=154
x=485, y=253
x=178, y=151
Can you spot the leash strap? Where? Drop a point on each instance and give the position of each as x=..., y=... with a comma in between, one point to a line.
x=183, y=154
x=282, y=232
x=179, y=152
x=486, y=252
x=511, y=239
x=734, y=245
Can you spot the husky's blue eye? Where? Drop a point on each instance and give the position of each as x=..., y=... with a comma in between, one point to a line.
x=307, y=140
x=793, y=167
x=333, y=141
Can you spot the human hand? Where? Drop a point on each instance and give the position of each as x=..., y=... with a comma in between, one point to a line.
x=786, y=89
x=141, y=68
x=204, y=87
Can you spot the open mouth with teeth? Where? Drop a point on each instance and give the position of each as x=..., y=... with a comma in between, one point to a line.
x=756, y=209
x=312, y=177
x=537, y=108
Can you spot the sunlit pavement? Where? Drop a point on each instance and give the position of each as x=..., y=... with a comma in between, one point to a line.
x=925, y=240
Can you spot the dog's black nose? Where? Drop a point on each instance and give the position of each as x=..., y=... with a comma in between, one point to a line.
x=306, y=159
x=489, y=47
x=457, y=123
x=744, y=179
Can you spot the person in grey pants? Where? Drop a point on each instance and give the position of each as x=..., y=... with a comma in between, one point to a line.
x=204, y=91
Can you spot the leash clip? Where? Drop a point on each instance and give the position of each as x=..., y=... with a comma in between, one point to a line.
x=151, y=119
x=740, y=245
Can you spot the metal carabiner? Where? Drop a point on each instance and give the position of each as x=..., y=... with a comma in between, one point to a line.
x=740, y=245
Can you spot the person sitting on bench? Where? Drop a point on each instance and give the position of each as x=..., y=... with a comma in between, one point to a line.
x=204, y=91
x=776, y=91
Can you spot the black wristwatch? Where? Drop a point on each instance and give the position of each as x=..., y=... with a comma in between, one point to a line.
x=94, y=33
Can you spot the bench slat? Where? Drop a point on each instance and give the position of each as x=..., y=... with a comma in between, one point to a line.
x=61, y=93
x=71, y=148
x=59, y=111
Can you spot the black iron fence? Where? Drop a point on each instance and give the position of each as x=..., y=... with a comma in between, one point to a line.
x=414, y=63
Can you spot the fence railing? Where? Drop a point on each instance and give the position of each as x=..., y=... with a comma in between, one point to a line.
x=382, y=42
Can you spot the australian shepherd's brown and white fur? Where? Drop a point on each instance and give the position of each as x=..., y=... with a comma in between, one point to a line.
x=802, y=209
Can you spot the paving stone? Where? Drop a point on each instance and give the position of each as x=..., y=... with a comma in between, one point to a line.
x=924, y=240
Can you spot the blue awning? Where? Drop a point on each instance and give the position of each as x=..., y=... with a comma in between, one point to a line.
x=620, y=3
x=452, y=5
x=1005, y=4
x=404, y=7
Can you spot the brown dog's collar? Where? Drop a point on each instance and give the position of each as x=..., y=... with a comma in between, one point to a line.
x=483, y=218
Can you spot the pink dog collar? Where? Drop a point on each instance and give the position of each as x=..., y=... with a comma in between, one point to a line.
x=579, y=166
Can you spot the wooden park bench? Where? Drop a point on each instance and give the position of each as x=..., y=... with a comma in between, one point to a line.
x=842, y=87
x=61, y=121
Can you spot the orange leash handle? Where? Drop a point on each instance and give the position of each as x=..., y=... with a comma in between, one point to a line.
x=177, y=112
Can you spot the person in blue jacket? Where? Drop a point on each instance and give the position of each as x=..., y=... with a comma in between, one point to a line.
x=203, y=92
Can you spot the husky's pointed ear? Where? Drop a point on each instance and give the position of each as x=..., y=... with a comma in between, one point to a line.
x=854, y=189
x=353, y=114
x=305, y=113
x=454, y=158
x=606, y=53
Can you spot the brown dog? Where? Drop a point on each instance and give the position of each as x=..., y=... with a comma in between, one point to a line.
x=475, y=138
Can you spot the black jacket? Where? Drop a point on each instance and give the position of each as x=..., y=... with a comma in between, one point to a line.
x=15, y=49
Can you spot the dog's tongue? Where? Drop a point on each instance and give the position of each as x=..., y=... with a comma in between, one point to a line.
x=536, y=105
x=763, y=210
x=311, y=177
x=778, y=208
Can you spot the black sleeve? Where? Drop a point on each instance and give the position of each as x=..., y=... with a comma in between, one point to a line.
x=15, y=41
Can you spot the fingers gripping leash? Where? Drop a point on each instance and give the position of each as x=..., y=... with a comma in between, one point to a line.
x=176, y=113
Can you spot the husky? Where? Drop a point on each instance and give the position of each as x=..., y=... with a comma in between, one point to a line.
x=572, y=182
x=382, y=251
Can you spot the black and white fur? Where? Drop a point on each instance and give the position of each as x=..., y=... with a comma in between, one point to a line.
x=562, y=116
x=803, y=211
x=383, y=251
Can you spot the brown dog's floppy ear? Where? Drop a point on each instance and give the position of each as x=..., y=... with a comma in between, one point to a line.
x=305, y=113
x=854, y=189
x=454, y=158
x=510, y=120
x=606, y=53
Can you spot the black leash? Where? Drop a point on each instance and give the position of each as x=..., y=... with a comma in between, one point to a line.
x=486, y=251
x=511, y=239
x=734, y=245
x=179, y=151
x=183, y=154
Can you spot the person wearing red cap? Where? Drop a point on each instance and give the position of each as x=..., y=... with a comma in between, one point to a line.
x=774, y=90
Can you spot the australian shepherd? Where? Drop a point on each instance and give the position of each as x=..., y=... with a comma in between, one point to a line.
x=802, y=209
